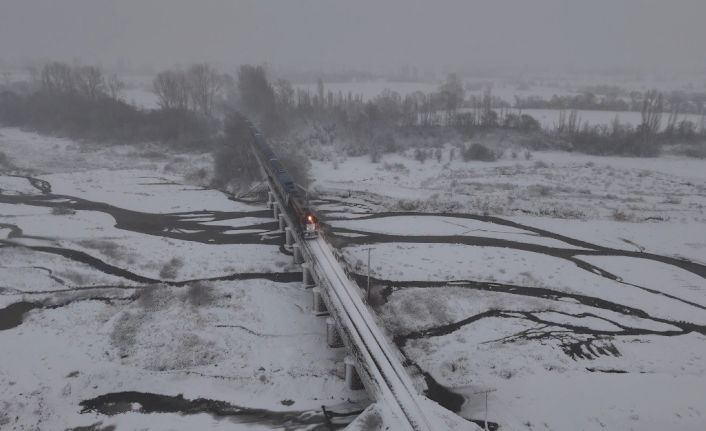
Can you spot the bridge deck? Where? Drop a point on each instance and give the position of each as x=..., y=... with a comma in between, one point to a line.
x=378, y=364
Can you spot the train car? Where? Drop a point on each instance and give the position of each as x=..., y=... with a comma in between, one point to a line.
x=307, y=223
x=306, y=218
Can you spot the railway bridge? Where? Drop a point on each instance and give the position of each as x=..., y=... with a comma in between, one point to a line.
x=372, y=363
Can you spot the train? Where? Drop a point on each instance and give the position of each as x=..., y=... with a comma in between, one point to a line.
x=297, y=204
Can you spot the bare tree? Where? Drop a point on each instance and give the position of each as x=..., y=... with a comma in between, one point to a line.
x=574, y=123
x=560, y=125
x=115, y=86
x=320, y=92
x=652, y=106
x=651, y=113
x=284, y=93
x=256, y=93
x=171, y=89
x=452, y=95
x=675, y=104
x=489, y=118
x=89, y=81
x=57, y=77
x=204, y=85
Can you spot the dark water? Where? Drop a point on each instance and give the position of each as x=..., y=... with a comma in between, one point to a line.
x=12, y=315
x=122, y=402
x=576, y=341
x=181, y=225
x=580, y=247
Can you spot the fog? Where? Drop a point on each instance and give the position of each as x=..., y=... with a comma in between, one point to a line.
x=368, y=34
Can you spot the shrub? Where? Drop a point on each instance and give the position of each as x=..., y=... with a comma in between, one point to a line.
x=620, y=215
x=171, y=268
x=478, y=152
x=233, y=160
x=540, y=190
x=5, y=161
x=385, y=143
x=295, y=162
x=395, y=167
x=199, y=294
x=696, y=151
x=62, y=210
x=408, y=205
x=420, y=155
x=102, y=119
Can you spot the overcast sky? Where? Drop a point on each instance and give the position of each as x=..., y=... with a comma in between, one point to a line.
x=363, y=34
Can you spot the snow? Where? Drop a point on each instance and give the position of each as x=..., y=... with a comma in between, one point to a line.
x=561, y=346
x=534, y=386
x=174, y=348
x=395, y=388
x=95, y=233
x=549, y=118
x=252, y=343
x=138, y=190
x=369, y=89
x=683, y=238
x=140, y=97
x=413, y=262
x=445, y=226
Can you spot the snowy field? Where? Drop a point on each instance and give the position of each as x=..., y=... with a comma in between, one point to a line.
x=549, y=118
x=510, y=89
x=130, y=298
x=369, y=90
x=572, y=287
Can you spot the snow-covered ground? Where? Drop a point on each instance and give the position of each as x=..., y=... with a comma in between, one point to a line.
x=369, y=90
x=126, y=291
x=549, y=118
x=510, y=89
x=571, y=286
x=556, y=184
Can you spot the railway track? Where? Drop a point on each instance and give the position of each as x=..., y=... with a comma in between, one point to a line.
x=377, y=362
x=391, y=383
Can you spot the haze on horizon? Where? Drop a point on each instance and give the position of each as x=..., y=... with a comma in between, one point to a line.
x=372, y=35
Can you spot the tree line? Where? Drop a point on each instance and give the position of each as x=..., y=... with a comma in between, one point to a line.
x=375, y=126
x=678, y=102
x=83, y=102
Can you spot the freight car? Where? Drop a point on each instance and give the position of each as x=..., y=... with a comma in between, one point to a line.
x=307, y=223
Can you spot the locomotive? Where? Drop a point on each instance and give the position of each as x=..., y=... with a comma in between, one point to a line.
x=303, y=216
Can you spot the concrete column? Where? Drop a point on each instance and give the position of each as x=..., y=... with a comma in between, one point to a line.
x=282, y=222
x=333, y=337
x=307, y=275
x=353, y=381
x=318, y=305
x=288, y=237
x=275, y=210
x=297, y=252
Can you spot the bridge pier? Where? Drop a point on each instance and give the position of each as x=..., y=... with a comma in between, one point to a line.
x=275, y=210
x=307, y=275
x=333, y=337
x=288, y=237
x=318, y=305
x=297, y=253
x=352, y=377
